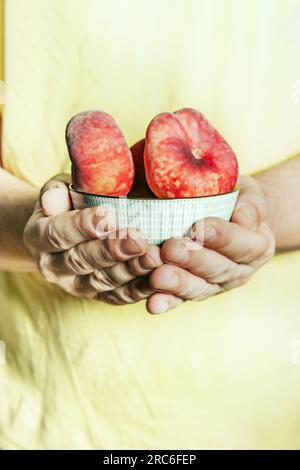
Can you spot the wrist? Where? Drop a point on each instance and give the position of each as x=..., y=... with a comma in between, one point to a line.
x=263, y=181
x=281, y=204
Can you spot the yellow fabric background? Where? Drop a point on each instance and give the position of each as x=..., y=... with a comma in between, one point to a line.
x=219, y=374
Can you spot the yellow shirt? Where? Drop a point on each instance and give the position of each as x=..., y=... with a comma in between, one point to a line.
x=224, y=373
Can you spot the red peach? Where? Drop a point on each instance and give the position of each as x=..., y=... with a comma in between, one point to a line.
x=186, y=157
x=101, y=160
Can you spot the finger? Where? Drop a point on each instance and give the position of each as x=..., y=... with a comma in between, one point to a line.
x=122, y=273
x=87, y=257
x=207, y=264
x=102, y=280
x=271, y=247
x=61, y=232
x=231, y=240
x=251, y=208
x=181, y=283
x=134, y=291
x=143, y=265
x=54, y=195
x=119, y=274
x=160, y=303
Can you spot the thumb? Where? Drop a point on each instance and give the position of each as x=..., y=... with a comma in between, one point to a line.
x=54, y=196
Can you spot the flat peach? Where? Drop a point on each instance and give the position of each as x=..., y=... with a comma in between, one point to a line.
x=185, y=156
x=101, y=160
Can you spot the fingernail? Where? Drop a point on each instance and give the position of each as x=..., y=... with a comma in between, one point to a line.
x=55, y=201
x=104, y=221
x=131, y=247
x=182, y=254
x=172, y=281
x=247, y=216
x=112, y=234
x=210, y=233
x=161, y=306
x=192, y=245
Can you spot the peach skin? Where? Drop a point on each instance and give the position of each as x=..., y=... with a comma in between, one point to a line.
x=186, y=157
x=101, y=160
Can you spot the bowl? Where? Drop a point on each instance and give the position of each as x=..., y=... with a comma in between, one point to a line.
x=160, y=219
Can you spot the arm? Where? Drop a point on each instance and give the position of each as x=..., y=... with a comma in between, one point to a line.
x=17, y=200
x=39, y=229
x=281, y=187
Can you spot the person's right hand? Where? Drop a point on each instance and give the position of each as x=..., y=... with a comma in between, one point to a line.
x=69, y=252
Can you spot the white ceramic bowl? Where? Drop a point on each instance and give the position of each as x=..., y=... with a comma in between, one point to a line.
x=160, y=219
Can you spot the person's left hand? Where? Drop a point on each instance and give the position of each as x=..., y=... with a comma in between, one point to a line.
x=225, y=255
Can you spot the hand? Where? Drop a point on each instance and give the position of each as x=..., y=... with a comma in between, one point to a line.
x=69, y=253
x=224, y=256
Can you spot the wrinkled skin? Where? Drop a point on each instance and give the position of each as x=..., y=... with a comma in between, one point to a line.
x=119, y=271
